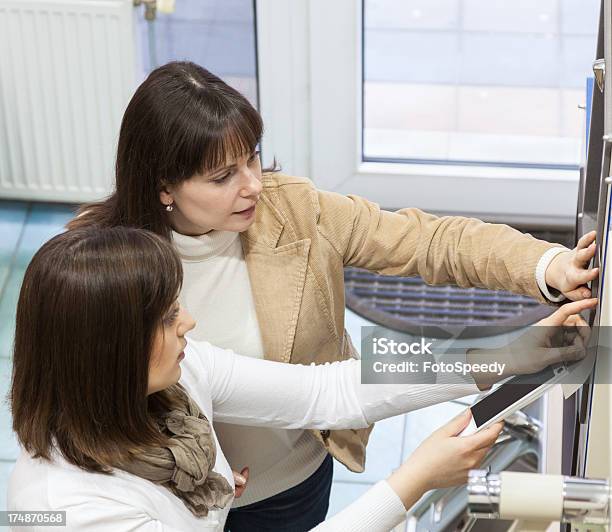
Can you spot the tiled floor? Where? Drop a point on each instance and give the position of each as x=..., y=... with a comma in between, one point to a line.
x=24, y=227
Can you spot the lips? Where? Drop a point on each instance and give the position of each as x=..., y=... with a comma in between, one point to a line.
x=245, y=211
x=181, y=355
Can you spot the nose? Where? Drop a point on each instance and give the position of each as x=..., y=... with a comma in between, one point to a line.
x=187, y=322
x=252, y=184
x=190, y=322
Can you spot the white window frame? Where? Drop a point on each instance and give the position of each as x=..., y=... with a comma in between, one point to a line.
x=310, y=79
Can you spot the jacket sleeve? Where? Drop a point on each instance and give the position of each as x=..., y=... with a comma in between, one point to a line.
x=442, y=250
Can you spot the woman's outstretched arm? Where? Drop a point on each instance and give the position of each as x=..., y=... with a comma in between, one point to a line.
x=255, y=392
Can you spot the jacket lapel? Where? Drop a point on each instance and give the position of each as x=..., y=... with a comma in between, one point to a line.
x=277, y=267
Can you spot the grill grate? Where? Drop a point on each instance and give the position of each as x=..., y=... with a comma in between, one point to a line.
x=406, y=303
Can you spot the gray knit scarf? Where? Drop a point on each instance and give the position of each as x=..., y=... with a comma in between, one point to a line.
x=185, y=465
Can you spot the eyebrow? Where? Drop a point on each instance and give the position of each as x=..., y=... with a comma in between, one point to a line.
x=229, y=167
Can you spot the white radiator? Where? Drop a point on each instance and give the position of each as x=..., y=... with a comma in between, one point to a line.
x=67, y=71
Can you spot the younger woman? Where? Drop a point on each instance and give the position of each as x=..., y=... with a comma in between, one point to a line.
x=109, y=436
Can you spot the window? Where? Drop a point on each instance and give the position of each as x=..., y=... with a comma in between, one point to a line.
x=404, y=140
x=493, y=82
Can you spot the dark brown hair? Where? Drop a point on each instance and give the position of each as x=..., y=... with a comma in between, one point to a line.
x=181, y=121
x=90, y=304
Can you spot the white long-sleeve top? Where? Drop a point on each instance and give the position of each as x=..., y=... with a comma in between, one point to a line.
x=234, y=389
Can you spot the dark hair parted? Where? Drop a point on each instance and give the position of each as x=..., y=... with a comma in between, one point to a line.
x=90, y=305
x=181, y=121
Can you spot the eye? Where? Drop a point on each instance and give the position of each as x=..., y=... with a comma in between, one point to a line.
x=170, y=318
x=222, y=179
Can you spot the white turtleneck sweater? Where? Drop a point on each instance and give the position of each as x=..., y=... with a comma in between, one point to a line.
x=217, y=293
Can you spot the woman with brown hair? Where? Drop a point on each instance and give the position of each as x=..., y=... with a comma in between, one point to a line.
x=264, y=253
x=112, y=438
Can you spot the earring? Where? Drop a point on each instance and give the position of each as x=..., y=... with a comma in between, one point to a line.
x=169, y=207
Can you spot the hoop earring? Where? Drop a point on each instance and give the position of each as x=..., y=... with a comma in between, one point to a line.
x=169, y=207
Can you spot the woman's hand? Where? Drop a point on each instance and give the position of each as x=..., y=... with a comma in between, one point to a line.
x=568, y=272
x=561, y=337
x=240, y=482
x=569, y=314
x=443, y=459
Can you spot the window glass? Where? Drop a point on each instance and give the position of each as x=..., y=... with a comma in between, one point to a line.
x=216, y=34
x=494, y=82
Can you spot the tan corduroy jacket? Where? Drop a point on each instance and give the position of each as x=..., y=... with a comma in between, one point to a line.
x=301, y=240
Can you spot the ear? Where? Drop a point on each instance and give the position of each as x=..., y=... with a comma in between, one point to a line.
x=165, y=195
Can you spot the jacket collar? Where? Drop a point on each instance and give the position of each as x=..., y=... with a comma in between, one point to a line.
x=268, y=225
x=277, y=271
